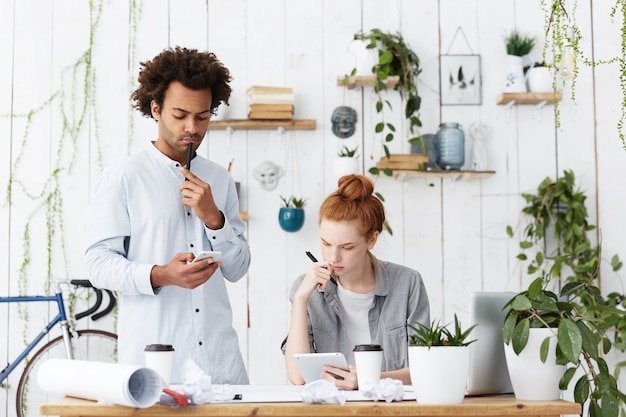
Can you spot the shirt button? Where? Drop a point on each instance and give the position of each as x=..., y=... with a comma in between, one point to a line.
x=188, y=213
x=213, y=237
x=200, y=343
x=197, y=310
x=191, y=245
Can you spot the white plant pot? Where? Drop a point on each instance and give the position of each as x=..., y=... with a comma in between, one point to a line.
x=531, y=378
x=514, y=81
x=539, y=80
x=345, y=166
x=364, y=59
x=439, y=374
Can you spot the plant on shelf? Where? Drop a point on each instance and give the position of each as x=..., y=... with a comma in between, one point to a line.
x=395, y=58
x=441, y=353
x=587, y=323
x=518, y=44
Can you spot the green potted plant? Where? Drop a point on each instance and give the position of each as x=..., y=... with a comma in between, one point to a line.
x=539, y=77
x=584, y=323
x=395, y=58
x=442, y=354
x=347, y=162
x=517, y=47
x=291, y=213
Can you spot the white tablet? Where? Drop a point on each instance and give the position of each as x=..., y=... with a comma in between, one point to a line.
x=311, y=365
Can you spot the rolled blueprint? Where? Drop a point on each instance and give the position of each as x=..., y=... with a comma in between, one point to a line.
x=115, y=383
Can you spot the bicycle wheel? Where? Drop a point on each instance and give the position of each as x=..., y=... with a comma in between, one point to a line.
x=91, y=345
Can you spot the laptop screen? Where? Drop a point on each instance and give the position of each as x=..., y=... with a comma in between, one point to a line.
x=488, y=374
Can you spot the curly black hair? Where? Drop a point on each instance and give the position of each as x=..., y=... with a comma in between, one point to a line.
x=193, y=69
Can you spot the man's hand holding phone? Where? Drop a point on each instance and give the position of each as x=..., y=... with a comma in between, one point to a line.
x=205, y=254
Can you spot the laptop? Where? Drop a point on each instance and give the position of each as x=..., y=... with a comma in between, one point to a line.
x=488, y=373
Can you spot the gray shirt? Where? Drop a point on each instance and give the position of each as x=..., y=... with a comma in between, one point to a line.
x=399, y=298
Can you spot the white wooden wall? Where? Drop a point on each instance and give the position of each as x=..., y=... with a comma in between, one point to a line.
x=453, y=232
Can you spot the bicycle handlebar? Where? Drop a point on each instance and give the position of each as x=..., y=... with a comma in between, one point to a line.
x=87, y=284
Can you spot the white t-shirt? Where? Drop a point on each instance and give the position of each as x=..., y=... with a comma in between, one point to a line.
x=356, y=308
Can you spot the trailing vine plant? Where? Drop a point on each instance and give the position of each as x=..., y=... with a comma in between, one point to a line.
x=75, y=100
x=563, y=45
x=395, y=58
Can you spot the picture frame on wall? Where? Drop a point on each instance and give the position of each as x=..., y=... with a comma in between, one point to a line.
x=460, y=80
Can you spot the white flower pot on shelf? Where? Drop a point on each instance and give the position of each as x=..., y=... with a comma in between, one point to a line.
x=439, y=374
x=514, y=81
x=539, y=80
x=364, y=58
x=531, y=378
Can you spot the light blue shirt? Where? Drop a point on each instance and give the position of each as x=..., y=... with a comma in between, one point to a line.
x=136, y=220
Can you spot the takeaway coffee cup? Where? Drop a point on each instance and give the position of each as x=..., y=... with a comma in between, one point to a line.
x=368, y=360
x=160, y=358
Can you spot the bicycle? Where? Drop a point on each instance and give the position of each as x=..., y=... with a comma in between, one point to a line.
x=84, y=344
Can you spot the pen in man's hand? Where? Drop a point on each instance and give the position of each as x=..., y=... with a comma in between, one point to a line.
x=189, y=153
x=311, y=257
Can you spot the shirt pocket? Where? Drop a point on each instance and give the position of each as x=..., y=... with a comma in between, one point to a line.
x=395, y=345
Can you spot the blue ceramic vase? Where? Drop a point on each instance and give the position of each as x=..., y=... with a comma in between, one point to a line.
x=291, y=219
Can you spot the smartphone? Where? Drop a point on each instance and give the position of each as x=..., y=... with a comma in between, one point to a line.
x=216, y=255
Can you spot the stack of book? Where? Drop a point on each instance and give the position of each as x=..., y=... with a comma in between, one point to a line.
x=273, y=103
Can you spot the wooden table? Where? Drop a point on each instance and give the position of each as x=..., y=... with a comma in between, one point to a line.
x=472, y=406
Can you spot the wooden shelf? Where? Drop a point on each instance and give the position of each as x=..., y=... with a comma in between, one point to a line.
x=365, y=81
x=454, y=175
x=248, y=124
x=528, y=98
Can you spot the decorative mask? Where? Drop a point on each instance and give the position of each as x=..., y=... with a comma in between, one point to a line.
x=268, y=174
x=343, y=120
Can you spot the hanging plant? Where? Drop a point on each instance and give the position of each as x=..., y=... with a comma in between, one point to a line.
x=291, y=213
x=562, y=46
x=395, y=58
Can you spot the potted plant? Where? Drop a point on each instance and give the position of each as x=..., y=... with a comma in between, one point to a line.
x=517, y=47
x=443, y=355
x=539, y=78
x=395, y=58
x=347, y=162
x=291, y=214
x=584, y=323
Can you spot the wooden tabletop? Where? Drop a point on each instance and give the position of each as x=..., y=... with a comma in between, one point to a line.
x=471, y=406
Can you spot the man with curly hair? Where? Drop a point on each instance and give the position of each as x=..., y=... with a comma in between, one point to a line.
x=149, y=216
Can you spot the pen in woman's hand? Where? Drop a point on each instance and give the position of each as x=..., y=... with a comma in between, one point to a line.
x=311, y=257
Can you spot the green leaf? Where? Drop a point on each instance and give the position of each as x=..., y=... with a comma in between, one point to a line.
x=544, y=349
x=520, y=335
x=526, y=244
x=570, y=340
x=509, y=231
x=521, y=302
x=581, y=390
x=385, y=58
x=566, y=378
x=379, y=127
x=610, y=405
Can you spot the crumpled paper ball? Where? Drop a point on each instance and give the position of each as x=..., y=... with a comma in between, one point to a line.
x=387, y=389
x=199, y=389
x=322, y=392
